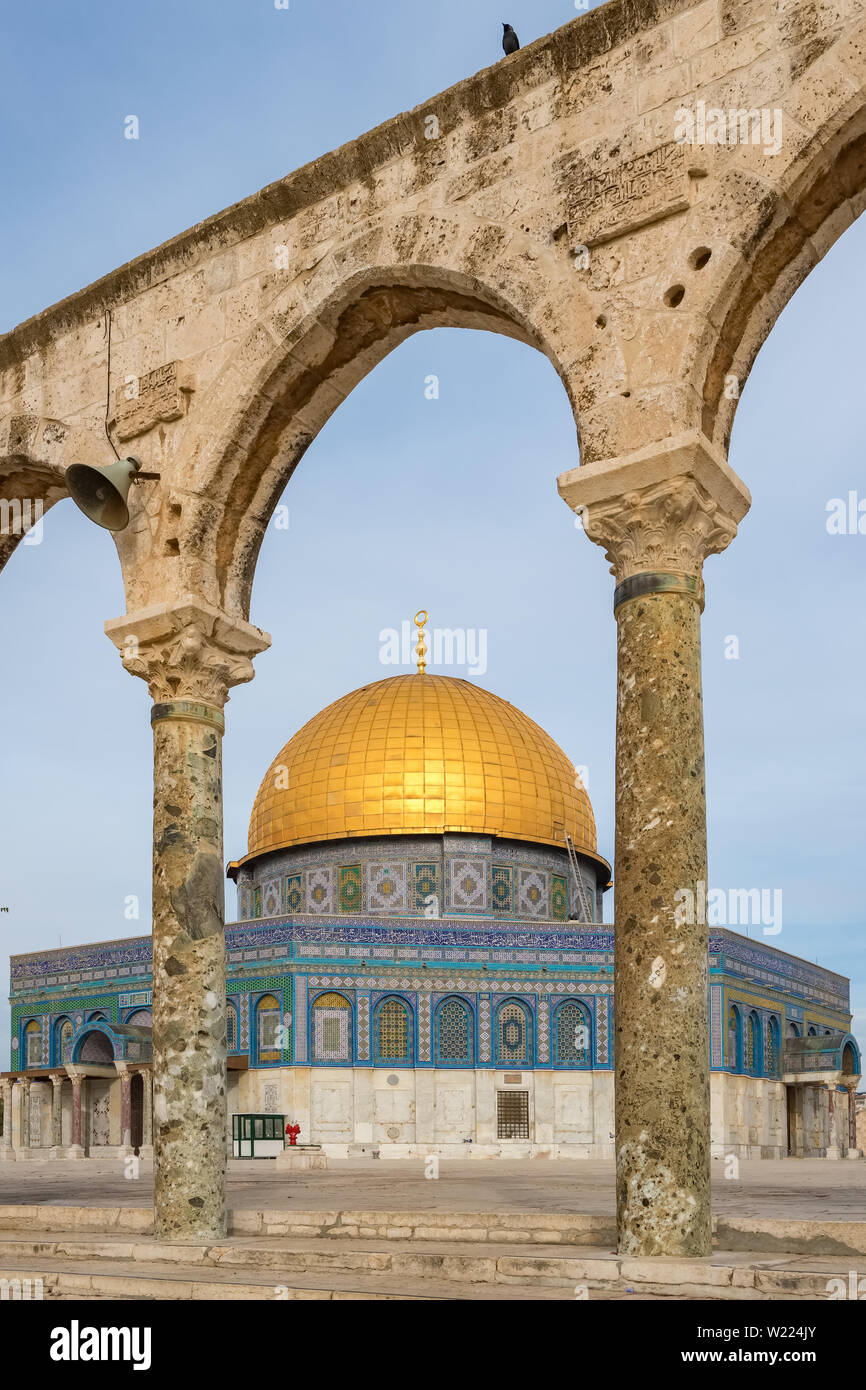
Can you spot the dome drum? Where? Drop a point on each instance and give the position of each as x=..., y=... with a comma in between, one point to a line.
x=421, y=876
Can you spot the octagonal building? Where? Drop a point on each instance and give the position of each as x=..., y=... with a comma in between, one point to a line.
x=420, y=965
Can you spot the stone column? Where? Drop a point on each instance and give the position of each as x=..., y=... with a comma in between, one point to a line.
x=125, y=1112
x=659, y=514
x=852, y=1150
x=24, y=1114
x=6, y=1150
x=190, y=654
x=76, y=1148
x=147, y=1110
x=56, y=1115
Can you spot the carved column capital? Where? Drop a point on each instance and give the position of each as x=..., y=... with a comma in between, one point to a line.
x=662, y=510
x=670, y=526
x=187, y=650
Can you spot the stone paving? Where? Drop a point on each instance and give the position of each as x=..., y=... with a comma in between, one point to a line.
x=793, y=1189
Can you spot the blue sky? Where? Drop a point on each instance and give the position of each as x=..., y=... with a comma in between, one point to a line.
x=403, y=501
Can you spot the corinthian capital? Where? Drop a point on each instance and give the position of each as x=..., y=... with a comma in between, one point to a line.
x=660, y=510
x=187, y=650
x=672, y=526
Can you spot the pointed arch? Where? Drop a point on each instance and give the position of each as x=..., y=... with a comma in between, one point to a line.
x=572, y=1035
x=454, y=1032
x=393, y=1030
x=514, y=1033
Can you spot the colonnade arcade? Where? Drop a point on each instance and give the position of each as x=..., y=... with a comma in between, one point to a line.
x=548, y=199
x=73, y=1134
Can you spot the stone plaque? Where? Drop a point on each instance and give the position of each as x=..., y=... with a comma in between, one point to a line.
x=610, y=197
x=156, y=398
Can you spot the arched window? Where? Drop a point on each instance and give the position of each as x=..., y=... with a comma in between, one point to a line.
x=142, y=1018
x=735, y=1039
x=793, y=1030
x=63, y=1031
x=813, y=1031
x=393, y=1032
x=97, y=1017
x=849, y=1061
x=454, y=1034
x=772, y=1051
x=332, y=1029
x=514, y=1033
x=33, y=1044
x=231, y=1028
x=267, y=1029
x=572, y=1035
x=753, y=1044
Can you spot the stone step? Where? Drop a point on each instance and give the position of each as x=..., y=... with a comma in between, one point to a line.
x=489, y=1271
x=568, y=1229
x=119, y=1279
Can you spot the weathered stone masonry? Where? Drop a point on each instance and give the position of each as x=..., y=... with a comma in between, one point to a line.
x=545, y=198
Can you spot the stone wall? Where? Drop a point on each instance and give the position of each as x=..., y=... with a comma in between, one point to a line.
x=548, y=198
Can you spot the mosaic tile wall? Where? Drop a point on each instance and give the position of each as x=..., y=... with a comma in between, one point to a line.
x=479, y=876
x=418, y=958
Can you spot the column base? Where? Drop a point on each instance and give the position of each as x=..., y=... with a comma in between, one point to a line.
x=7, y=1155
x=853, y=1153
x=124, y=1151
x=74, y=1151
x=56, y=1151
x=145, y=1153
x=833, y=1151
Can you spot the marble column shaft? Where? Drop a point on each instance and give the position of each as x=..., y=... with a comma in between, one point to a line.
x=188, y=978
x=147, y=1108
x=57, y=1111
x=190, y=654
x=6, y=1141
x=77, y=1082
x=661, y=1053
x=24, y=1083
x=658, y=514
x=125, y=1110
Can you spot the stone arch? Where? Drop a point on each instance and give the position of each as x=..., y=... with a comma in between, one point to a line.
x=768, y=228
x=140, y=1017
x=735, y=1038
x=301, y=361
x=34, y=455
x=94, y=1045
x=64, y=1029
x=572, y=1034
x=394, y=1031
x=454, y=1032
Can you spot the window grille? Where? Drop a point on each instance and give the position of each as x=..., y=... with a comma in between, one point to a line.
x=512, y=1114
x=513, y=1033
x=454, y=1031
x=393, y=1032
x=572, y=1034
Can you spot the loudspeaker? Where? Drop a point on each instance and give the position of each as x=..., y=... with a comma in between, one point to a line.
x=101, y=493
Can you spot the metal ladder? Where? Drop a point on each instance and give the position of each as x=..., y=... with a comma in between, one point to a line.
x=578, y=879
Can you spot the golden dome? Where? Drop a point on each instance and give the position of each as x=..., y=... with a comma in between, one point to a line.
x=420, y=754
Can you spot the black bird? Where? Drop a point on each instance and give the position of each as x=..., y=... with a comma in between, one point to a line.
x=510, y=41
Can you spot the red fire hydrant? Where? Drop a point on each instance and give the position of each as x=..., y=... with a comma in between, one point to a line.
x=293, y=1131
